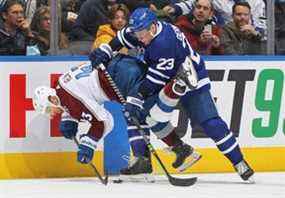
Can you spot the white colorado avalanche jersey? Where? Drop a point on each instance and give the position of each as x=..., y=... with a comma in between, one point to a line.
x=82, y=93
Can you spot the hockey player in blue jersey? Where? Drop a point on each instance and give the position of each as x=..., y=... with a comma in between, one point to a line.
x=166, y=51
x=185, y=154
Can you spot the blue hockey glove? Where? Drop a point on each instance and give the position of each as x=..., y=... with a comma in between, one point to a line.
x=134, y=107
x=86, y=148
x=68, y=128
x=103, y=54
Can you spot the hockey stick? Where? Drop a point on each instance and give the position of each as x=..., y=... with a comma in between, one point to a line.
x=103, y=180
x=173, y=180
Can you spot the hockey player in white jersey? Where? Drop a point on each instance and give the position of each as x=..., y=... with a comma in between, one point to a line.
x=166, y=50
x=78, y=97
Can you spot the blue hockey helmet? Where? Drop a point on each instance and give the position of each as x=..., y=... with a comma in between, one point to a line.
x=141, y=19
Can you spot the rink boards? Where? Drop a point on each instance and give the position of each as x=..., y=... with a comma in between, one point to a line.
x=248, y=91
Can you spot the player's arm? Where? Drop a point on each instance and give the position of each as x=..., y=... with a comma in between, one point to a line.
x=105, y=52
x=95, y=122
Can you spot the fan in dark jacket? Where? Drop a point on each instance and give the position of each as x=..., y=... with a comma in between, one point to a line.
x=15, y=33
x=94, y=13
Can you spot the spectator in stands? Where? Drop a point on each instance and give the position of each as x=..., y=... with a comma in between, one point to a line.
x=78, y=4
x=119, y=15
x=223, y=11
x=158, y=5
x=280, y=27
x=240, y=37
x=2, y=2
x=15, y=33
x=42, y=3
x=133, y=4
x=30, y=7
x=92, y=14
x=199, y=29
x=68, y=15
x=40, y=26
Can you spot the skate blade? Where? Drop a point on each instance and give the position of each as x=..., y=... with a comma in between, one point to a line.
x=148, y=178
x=168, y=150
x=190, y=161
x=250, y=180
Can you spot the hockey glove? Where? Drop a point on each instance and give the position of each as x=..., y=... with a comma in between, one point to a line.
x=68, y=128
x=86, y=148
x=134, y=107
x=103, y=54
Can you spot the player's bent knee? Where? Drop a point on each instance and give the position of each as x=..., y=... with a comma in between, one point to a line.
x=215, y=128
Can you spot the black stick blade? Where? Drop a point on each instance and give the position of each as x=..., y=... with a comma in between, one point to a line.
x=105, y=180
x=182, y=181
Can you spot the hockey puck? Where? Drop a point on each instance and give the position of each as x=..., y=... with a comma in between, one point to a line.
x=117, y=181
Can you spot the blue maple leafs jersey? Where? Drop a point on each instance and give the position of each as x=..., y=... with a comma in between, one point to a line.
x=164, y=55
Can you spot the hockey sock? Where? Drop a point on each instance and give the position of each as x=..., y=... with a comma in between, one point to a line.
x=165, y=104
x=218, y=131
x=137, y=142
x=172, y=139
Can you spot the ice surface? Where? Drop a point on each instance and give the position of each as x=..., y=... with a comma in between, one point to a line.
x=268, y=185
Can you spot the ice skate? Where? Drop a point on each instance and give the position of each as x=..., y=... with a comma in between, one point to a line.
x=245, y=171
x=186, y=156
x=139, y=169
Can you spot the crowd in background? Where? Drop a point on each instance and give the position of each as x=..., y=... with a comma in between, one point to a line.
x=213, y=27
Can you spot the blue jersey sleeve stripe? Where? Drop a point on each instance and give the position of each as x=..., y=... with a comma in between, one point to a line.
x=120, y=37
x=107, y=49
x=155, y=81
x=202, y=82
x=123, y=40
x=194, y=56
x=157, y=73
x=143, y=126
x=124, y=37
x=195, y=91
x=128, y=44
x=158, y=77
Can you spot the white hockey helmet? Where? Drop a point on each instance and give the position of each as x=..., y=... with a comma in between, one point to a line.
x=41, y=100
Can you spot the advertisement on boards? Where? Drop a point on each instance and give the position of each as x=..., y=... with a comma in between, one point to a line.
x=248, y=94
